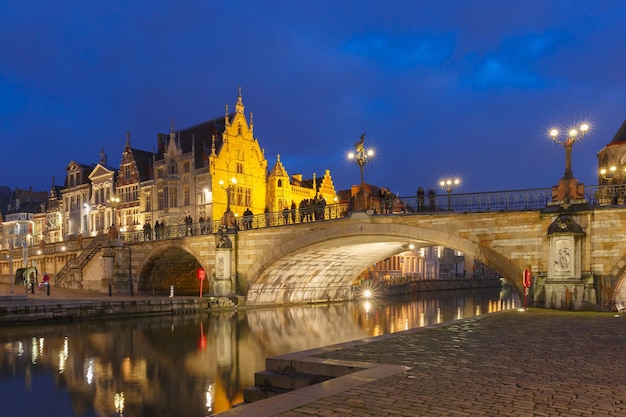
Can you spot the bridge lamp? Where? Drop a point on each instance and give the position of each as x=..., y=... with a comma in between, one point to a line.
x=114, y=202
x=448, y=185
x=228, y=189
x=361, y=157
x=567, y=141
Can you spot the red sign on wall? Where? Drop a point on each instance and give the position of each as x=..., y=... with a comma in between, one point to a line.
x=201, y=274
x=528, y=278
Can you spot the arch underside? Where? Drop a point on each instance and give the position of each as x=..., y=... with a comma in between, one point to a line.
x=174, y=266
x=325, y=270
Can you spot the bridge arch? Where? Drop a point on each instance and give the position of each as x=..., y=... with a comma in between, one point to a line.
x=171, y=264
x=322, y=264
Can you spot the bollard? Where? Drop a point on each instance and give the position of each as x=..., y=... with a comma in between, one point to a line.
x=48, y=288
x=171, y=291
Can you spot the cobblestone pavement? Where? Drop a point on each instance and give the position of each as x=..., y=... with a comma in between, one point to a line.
x=533, y=363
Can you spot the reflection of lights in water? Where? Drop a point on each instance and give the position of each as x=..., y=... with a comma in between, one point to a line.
x=422, y=319
x=209, y=398
x=439, y=318
x=406, y=324
x=459, y=313
x=20, y=349
x=477, y=313
x=118, y=400
x=367, y=306
x=63, y=354
x=34, y=350
x=89, y=373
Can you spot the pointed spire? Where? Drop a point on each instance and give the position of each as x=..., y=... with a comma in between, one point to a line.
x=172, y=133
x=128, y=138
x=239, y=106
x=226, y=121
x=213, y=145
x=251, y=123
x=103, y=157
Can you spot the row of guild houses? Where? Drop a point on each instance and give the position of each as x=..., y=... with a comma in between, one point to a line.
x=194, y=173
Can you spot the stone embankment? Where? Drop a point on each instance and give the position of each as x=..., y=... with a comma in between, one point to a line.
x=20, y=307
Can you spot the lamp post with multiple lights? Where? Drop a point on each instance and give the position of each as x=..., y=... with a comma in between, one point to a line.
x=449, y=185
x=229, y=217
x=361, y=157
x=568, y=187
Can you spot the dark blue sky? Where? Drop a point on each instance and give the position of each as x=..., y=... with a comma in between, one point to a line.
x=442, y=88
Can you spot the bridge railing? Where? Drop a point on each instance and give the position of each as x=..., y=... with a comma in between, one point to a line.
x=256, y=221
x=516, y=200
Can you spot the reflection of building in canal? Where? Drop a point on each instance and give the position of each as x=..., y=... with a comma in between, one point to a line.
x=426, y=263
x=117, y=368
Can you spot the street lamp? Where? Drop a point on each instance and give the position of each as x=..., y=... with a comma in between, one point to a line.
x=568, y=187
x=113, y=234
x=573, y=136
x=448, y=185
x=361, y=157
x=228, y=189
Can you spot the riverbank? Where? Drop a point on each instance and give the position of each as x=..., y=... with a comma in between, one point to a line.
x=19, y=307
x=515, y=363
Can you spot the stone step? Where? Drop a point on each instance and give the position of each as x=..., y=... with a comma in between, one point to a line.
x=283, y=381
x=252, y=394
x=313, y=366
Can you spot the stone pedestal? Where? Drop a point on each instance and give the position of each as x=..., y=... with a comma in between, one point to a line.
x=222, y=282
x=565, y=288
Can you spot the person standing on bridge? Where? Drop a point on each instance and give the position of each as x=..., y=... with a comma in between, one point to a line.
x=420, y=199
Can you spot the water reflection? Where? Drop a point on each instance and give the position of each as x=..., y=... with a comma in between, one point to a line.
x=194, y=365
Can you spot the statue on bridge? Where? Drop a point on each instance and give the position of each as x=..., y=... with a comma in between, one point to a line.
x=359, y=148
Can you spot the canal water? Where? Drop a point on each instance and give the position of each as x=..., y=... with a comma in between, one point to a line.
x=195, y=365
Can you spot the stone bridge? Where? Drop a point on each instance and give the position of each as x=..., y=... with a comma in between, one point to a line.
x=577, y=255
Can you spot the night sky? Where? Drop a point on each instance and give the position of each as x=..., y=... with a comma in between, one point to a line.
x=441, y=88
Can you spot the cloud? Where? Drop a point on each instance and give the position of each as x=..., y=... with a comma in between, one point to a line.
x=402, y=51
x=515, y=64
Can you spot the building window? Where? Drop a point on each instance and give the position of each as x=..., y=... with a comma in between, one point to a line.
x=186, y=166
x=239, y=167
x=127, y=172
x=186, y=196
x=173, y=200
x=160, y=172
x=280, y=183
x=241, y=196
x=148, y=201
x=160, y=200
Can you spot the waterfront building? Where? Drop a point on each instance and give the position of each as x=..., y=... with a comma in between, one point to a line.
x=612, y=160
x=194, y=172
x=101, y=204
x=75, y=195
x=285, y=192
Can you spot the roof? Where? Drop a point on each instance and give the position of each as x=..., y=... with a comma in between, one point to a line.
x=620, y=136
x=143, y=162
x=198, y=138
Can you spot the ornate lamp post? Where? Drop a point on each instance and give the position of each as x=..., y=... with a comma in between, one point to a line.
x=229, y=217
x=228, y=189
x=448, y=185
x=361, y=157
x=573, y=136
x=113, y=233
x=568, y=185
